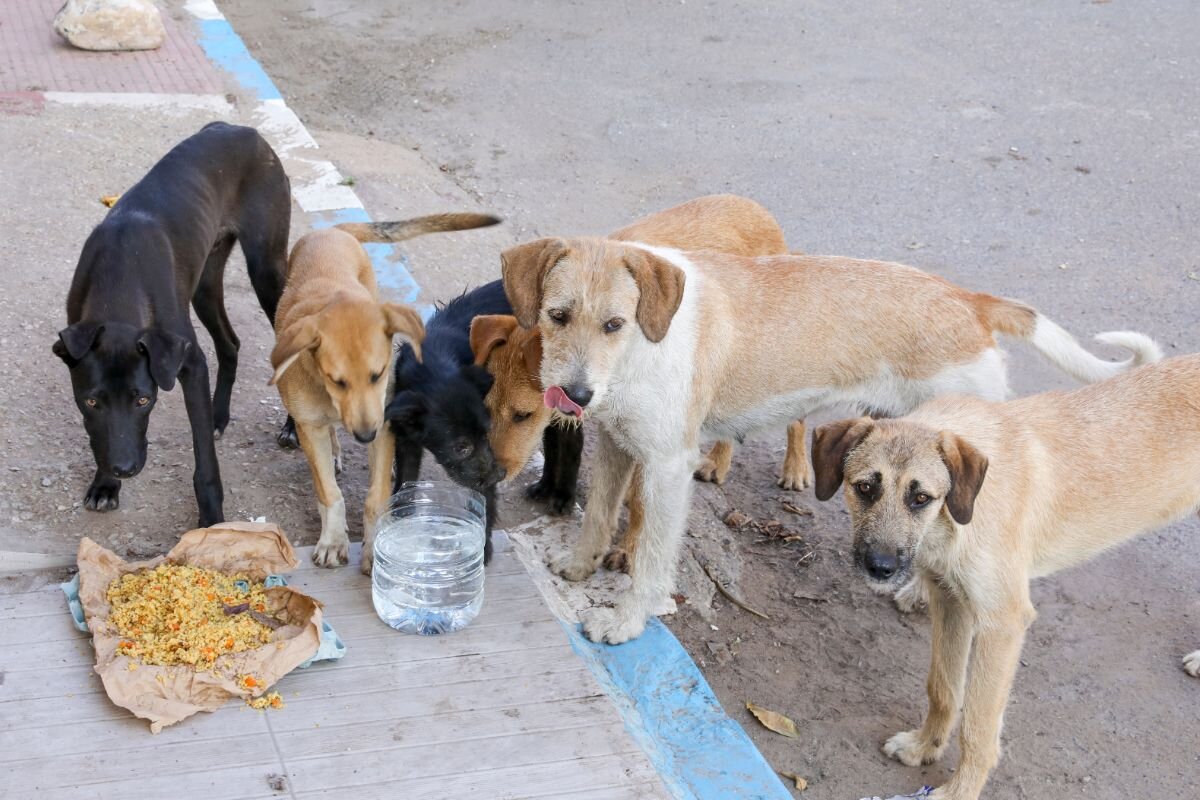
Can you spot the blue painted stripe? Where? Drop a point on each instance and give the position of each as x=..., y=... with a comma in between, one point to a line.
x=227, y=50
x=391, y=266
x=670, y=710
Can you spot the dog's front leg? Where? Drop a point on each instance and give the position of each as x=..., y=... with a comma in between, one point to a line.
x=796, y=473
x=380, y=453
x=666, y=488
x=714, y=467
x=333, y=548
x=206, y=479
x=997, y=653
x=953, y=629
x=610, y=476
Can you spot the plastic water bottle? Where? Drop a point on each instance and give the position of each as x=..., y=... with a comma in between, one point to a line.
x=428, y=571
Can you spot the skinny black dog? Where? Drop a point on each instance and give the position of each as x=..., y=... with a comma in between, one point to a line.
x=438, y=404
x=164, y=244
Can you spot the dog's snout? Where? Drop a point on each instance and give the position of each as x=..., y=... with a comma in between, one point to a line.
x=881, y=565
x=579, y=394
x=365, y=436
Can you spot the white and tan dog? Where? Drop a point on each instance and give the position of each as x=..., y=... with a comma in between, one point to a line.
x=662, y=346
x=978, y=498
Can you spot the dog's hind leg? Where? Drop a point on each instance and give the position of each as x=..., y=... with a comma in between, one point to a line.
x=796, y=473
x=209, y=303
x=621, y=554
x=714, y=467
x=610, y=477
x=333, y=548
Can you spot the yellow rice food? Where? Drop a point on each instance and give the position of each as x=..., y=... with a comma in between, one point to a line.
x=176, y=615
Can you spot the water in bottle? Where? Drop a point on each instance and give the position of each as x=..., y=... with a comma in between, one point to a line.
x=428, y=572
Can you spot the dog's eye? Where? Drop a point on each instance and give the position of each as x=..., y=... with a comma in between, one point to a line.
x=462, y=448
x=521, y=416
x=375, y=377
x=863, y=487
x=143, y=400
x=920, y=500
x=558, y=315
x=613, y=325
x=90, y=402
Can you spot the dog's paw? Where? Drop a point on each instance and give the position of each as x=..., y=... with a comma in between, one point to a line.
x=617, y=560
x=710, y=472
x=910, y=749
x=1191, y=664
x=332, y=554
x=613, y=625
x=795, y=480
x=557, y=501
x=368, y=559
x=912, y=596
x=337, y=464
x=287, y=438
x=103, y=496
x=572, y=566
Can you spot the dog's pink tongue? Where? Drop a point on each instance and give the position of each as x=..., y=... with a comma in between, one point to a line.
x=557, y=399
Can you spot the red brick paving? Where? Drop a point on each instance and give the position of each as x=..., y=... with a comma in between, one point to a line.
x=35, y=58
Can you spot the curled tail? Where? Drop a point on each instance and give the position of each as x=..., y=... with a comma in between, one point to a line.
x=400, y=230
x=1059, y=347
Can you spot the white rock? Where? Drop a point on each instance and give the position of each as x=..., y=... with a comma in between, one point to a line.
x=111, y=24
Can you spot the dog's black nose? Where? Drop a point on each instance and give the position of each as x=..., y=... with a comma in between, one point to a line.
x=125, y=469
x=366, y=437
x=579, y=395
x=881, y=566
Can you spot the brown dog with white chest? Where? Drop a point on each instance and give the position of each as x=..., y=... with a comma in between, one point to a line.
x=663, y=346
x=333, y=361
x=976, y=499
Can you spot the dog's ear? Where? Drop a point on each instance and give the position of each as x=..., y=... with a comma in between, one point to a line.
x=301, y=336
x=165, y=351
x=74, y=342
x=489, y=331
x=831, y=442
x=408, y=411
x=406, y=322
x=524, y=269
x=478, y=377
x=531, y=349
x=967, y=467
x=660, y=286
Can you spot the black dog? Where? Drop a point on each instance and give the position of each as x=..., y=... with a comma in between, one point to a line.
x=438, y=404
x=164, y=244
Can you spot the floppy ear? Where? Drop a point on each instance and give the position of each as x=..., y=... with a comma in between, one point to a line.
x=532, y=350
x=407, y=322
x=478, y=377
x=660, y=284
x=524, y=269
x=408, y=410
x=165, y=351
x=967, y=467
x=489, y=331
x=300, y=336
x=74, y=342
x=831, y=442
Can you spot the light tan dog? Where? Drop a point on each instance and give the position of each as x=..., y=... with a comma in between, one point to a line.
x=513, y=355
x=978, y=498
x=333, y=361
x=662, y=346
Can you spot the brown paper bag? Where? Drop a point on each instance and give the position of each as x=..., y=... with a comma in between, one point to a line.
x=166, y=695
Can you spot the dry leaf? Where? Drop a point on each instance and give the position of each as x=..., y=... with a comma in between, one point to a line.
x=801, y=784
x=110, y=200
x=774, y=721
x=791, y=508
x=736, y=519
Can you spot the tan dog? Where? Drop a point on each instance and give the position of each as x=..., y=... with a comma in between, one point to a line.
x=333, y=361
x=725, y=223
x=978, y=498
x=663, y=346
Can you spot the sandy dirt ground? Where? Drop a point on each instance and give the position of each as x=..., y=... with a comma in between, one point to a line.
x=1041, y=152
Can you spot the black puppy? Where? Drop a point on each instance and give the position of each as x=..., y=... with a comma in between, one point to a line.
x=438, y=403
x=164, y=244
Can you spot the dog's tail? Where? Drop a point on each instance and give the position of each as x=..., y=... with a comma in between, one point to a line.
x=403, y=229
x=1059, y=347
